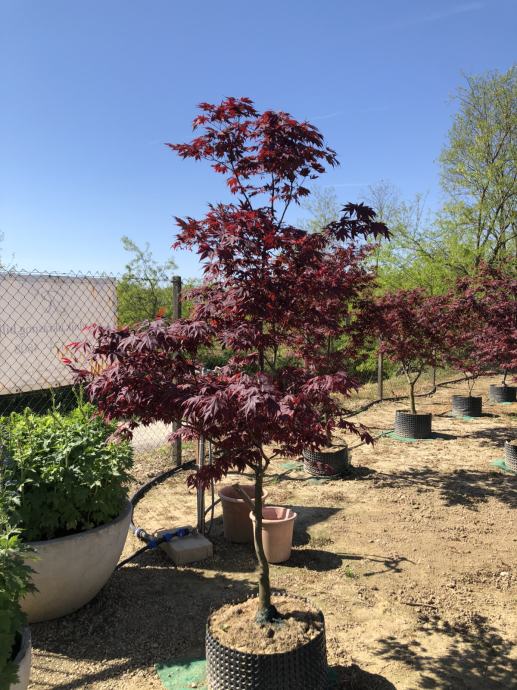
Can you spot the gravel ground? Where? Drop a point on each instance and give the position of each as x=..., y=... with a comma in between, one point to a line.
x=413, y=561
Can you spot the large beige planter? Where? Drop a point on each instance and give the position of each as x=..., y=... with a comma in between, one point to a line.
x=69, y=571
x=23, y=660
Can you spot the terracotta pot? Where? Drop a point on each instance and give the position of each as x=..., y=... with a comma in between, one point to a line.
x=277, y=532
x=236, y=522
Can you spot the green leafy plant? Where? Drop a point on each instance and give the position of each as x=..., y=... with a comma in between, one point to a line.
x=61, y=474
x=15, y=581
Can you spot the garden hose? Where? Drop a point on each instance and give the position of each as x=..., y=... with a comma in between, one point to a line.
x=152, y=542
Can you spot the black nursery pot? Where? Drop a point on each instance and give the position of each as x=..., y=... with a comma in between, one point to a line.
x=467, y=405
x=409, y=425
x=327, y=463
x=500, y=394
x=510, y=455
x=304, y=667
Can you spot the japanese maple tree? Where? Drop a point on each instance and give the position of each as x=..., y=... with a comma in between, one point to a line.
x=273, y=295
x=412, y=328
x=494, y=328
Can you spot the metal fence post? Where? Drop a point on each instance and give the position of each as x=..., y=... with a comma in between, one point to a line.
x=200, y=490
x=380, y=376
x=176, y=314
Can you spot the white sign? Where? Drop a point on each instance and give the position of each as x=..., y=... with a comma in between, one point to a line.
x=39, y=316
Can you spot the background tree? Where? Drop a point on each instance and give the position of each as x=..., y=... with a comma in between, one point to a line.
x=417, y=255
x=412, y=328
x=494, y=332
x=479, y=173
x=323, y=208
x=144, y=291
x=269, y=288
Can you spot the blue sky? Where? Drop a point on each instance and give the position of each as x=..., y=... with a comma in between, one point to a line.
x=91, y=89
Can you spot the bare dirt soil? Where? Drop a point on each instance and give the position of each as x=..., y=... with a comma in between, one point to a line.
x=413, y=560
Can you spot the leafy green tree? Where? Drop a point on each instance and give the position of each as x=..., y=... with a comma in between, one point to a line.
x=415, y=256
x=144, y=291
x=479, y=174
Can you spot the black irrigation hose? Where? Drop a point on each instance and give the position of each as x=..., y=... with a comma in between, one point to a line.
x=139, y=532
x=403, y=397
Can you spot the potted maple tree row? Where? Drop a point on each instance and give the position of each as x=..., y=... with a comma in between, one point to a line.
x=273, y=398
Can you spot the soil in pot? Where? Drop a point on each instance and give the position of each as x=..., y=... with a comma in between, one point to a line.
x=234, y=626
x=277, y=532
x=467, y=405
x=500, y=394
x=409, y=425
x=287, y=655
x=332, y=462
x=236, y=521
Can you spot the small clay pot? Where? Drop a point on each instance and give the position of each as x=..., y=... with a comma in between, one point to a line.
x=510, y=455
x=467, y=405
x=501, y=394
x=236, y=522
x=277, y=532
x=409, y=425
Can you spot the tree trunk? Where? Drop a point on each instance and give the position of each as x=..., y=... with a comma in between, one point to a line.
x=266, y=611
x=412, y=396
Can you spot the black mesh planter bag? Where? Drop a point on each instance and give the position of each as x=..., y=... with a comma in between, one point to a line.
x=409, y=425
x=510, y=455
x=500, y=394
x=327, y=463
x=304, y=668
x=466, y=405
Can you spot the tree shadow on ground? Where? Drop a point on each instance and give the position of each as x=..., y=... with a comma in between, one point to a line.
x=241, y=558
x=144, y=615
x=494, y=438
x=298, y=474
x=477, y=657
x=468, y=488
x=354, y=678
x=321, y=561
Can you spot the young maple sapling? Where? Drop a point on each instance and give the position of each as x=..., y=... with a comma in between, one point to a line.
x=272, y=295
x=412, y=328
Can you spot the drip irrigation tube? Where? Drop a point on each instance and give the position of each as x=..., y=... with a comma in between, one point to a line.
x=403, y=397
x=151, y=542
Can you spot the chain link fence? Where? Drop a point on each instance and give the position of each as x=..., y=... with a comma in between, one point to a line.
x=40, y=313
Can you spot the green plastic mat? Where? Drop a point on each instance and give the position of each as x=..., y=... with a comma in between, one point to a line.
x=187, y=674
x=501, y=464
x=297, y=466
x=183, y=674
x=395, y=436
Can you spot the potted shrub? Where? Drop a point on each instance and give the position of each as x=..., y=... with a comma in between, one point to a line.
x=69, y=503
x=412, y=328
x=15, y=639
x=267, y=401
